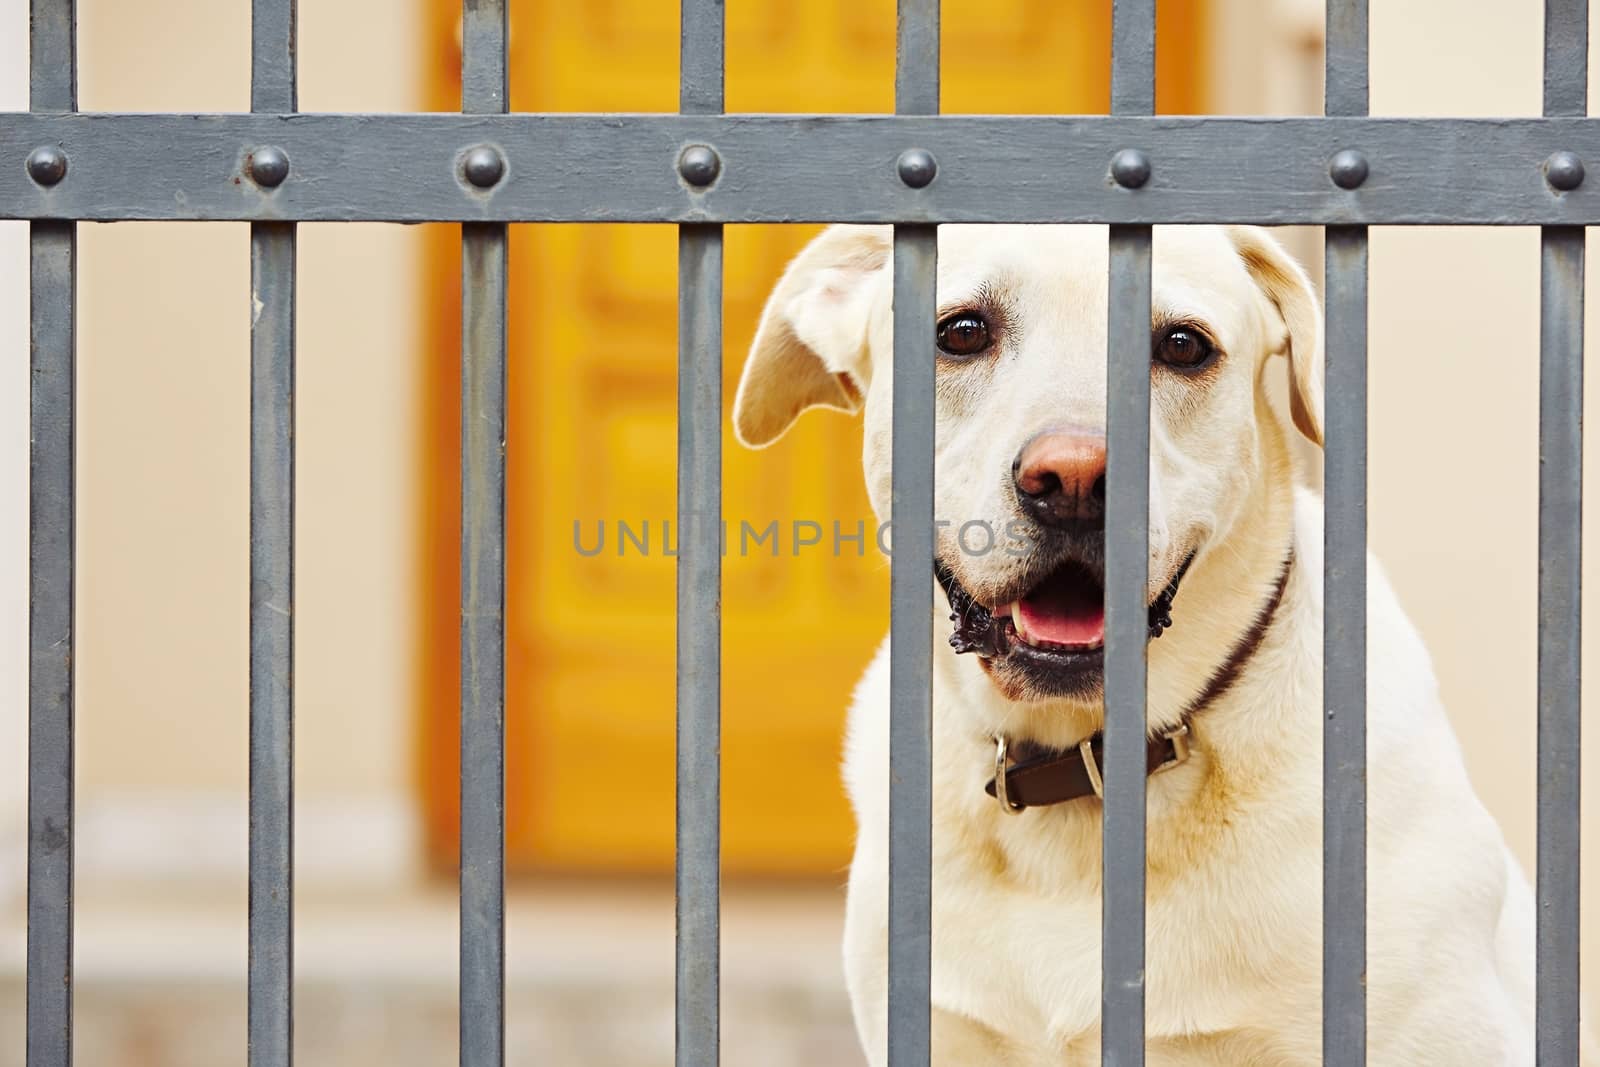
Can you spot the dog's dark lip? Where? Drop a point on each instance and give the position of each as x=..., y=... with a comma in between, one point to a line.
x=977, y=629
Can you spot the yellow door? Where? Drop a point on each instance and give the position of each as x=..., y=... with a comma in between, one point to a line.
x=592, y=444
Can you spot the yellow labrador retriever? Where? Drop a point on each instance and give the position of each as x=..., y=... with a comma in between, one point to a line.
x=1234, y=879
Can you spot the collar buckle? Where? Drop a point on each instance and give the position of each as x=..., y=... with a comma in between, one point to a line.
x=1179, y=738
x=1091, y=767
x=1002, y=765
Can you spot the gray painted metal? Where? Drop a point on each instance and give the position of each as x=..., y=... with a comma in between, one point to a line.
x=50, y=646
x=699, y=846
x=1566, y=81
x=1133, y=57
x=486, y=168
x=916, y=65
x=1560, y=617
x=271, y=966
x=796, y=168
x=484, y=88
x=1344, y=636
x=1127, y=630
x=911, y=649
x=699, y=624
x=270, y=979
x=51, y=530
x=1345, y=67
x=1122, y=958
x=1566, y=58
x=1344, y=645
x=916, y=258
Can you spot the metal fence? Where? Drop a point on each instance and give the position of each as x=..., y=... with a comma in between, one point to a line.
x=701, y=169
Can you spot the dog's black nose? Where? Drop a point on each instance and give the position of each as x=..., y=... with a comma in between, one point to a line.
x=1061, y=479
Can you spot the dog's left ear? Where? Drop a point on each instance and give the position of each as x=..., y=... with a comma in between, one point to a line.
x=1287, y=288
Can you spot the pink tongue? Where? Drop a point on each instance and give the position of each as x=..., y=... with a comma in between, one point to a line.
x=1065, y=611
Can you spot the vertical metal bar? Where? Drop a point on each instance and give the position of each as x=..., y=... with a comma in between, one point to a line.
x=916, y=68
x=699, y=623
x=484, y=90
x=272, y=359
x=1566, y=80
x=1344, y=647
x=1560, y=583
x=1122, y=959
x=51, y=530
x=1344, y=636
x=1133, y=57
x=916, y=253
x=1127, y=630
x=911, y=650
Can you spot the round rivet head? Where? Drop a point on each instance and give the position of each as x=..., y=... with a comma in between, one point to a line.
x=1348, y=169
x=483, y=166
x=268, y=167
x=1130, y=168
x=917, y=167
x=47, y=165
x=699, y=165
x=1564, y=171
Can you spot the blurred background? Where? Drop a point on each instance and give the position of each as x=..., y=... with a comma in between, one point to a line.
x=163, y=469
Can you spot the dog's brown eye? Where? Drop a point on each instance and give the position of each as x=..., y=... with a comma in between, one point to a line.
x=1184, y=348
x=963, y=335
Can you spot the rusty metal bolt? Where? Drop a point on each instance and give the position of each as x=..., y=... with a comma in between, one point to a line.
x=47, y=164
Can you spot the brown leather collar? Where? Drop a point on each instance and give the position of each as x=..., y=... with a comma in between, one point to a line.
x=1034, y=776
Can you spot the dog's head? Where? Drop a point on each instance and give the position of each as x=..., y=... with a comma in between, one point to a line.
x=1020, y=347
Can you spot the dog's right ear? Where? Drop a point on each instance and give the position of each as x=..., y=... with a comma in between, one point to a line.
x=811, y=347
x=1287, y=288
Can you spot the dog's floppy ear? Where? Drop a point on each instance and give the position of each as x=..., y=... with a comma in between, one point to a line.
x=1289, y=290
x=811, y=347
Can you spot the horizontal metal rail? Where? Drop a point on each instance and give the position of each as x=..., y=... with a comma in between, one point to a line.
x=625, y=168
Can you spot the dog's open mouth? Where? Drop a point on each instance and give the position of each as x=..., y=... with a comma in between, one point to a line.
x=1067, y=610
x=1053, y=629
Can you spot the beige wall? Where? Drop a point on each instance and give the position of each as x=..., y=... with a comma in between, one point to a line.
x=163, y=476
x=13, y=481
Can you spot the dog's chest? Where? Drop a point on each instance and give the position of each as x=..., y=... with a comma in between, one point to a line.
x=1017, y=943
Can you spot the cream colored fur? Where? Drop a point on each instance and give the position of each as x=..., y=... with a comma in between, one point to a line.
x=1235, y=865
